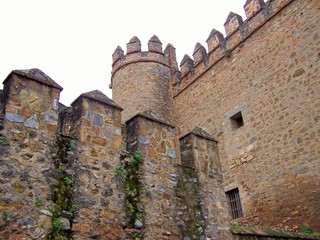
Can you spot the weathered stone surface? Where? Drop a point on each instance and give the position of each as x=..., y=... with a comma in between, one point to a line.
x=36, y=232
x=98, y=120
x=25, y=221
x=256, y=92
x=138, y=224
x=157, y=180
x=273, y=85
x=32, y=122
x=99, y=141
x=81, y=228
x=14, y=117
x=65, y=223
x=153, y=75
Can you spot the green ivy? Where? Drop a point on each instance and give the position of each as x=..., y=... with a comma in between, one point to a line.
x=308, y=230
x=68, y=181
x=74, y=208
x=38, y=202
x=4, y=214
x=56, y=225
x=137, y=157
x=72, y=145
x=4, y=141
x=120, y=172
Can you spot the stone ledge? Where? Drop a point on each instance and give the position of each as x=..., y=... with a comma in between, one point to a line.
x=268, y=232
x=153, y=117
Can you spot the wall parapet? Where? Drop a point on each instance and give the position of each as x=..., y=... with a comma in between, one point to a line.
x=37, y=130
x=237, y=31
x=135, y=55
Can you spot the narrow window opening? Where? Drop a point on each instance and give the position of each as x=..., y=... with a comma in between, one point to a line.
x=236, y=121
x=235, y=203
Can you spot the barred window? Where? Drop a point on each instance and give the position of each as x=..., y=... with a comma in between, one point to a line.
x=235, y=203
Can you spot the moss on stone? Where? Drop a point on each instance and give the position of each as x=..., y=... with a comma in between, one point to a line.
x=192, y=217
x=133, y=190
x=62, y=191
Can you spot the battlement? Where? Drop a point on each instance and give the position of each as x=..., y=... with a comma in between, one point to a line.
x=234, y=156
x=31, y=98
x=152, y=70
x=219, y=46
x=135, y=55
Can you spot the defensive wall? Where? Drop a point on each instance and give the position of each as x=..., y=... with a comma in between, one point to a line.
x=165, y=158
x=266, y=69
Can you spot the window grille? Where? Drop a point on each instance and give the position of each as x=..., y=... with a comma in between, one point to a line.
x=235, y=203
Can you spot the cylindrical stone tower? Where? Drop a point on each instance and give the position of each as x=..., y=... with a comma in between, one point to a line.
x=141, y=80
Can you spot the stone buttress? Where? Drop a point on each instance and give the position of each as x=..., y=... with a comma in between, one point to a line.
x=203, y=205
x=156, y=139
x=97, y=121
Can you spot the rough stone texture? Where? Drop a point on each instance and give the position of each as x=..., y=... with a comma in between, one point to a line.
x=272, y=77
x=97, y=193
x=255, y=91
x=142, y=70
x=30, y=142
x=247, y=232
x=157, y=172
x=33, y=159
x=199, y=152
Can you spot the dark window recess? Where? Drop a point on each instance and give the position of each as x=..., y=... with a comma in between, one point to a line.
x=235, y=203
x=236, y=121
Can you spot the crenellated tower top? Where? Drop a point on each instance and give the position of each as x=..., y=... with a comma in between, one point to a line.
x=152, y=69
x=134, y=54
x=219, y=47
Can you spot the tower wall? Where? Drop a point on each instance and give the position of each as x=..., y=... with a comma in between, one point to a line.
x=141, y=82
x=267, y=69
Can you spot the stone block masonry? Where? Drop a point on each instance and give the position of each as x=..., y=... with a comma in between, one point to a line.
x=96, y=194
x=72, y=191
x=157, y=142
x=201, y=169
x=138, y=70
x=30, y=107
x=226, y=147
x=256, y=91
x=269, y=80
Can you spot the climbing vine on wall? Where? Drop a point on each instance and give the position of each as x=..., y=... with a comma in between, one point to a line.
x=128, y=173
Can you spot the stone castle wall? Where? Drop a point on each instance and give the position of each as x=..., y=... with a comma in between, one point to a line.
x=27, y=140
x=243, y=115
x=267, y=68
x=57, y=163
x=157, y=174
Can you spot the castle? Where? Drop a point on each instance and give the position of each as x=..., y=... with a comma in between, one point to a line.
x=224, y=147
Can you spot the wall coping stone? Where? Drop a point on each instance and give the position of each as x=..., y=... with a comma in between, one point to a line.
x=36, y=75
x=268, y=232
x=151, y=116
x=199, y=132
x=98, y=96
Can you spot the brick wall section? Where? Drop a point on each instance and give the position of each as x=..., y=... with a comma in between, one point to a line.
x=157, y=142
x=201, y=154
x=30, y=125
x=273, y=79
x=97, y=192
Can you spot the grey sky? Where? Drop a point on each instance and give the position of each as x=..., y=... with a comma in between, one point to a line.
x=72, y=40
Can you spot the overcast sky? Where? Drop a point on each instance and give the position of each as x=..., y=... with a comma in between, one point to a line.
x=72, y=41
